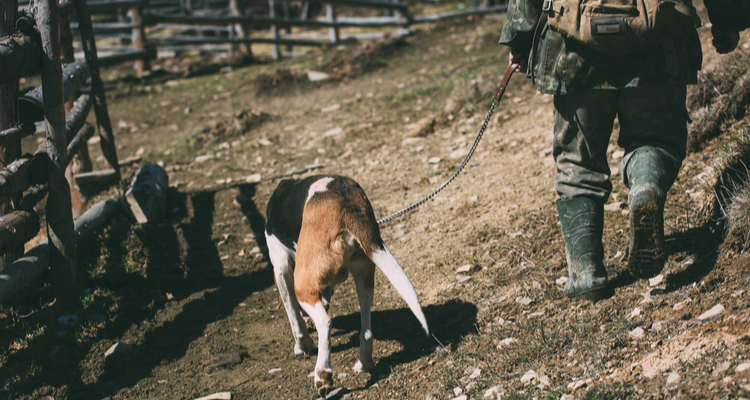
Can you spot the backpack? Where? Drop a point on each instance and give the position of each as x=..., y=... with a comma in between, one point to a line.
x=621, y=27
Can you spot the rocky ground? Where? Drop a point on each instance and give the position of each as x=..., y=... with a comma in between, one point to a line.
x=187, y=307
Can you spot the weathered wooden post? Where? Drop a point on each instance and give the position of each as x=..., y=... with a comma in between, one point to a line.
x=82, y=161
x=288, y=16
x=58, y=209
x=274, y=30
x=107, y=141
x=8, y=116
x=333, y=32
x=242, y=31
x=139, y=40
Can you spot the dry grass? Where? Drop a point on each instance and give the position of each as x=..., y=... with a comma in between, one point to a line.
x=721, y=97
x=737, y=214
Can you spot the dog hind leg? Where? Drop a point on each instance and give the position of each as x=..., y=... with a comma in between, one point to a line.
x=282, y=259
x=323, y=371
x=365, y=281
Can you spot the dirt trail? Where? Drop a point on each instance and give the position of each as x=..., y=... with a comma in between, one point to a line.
x=194, y=296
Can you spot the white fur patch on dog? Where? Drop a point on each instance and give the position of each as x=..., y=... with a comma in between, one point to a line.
x=321, y=185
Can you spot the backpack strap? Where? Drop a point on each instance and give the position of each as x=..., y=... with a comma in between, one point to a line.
x=549, y=6
x=687, y=11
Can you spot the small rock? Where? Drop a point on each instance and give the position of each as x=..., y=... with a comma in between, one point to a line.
x=117, y=348
x=655, y=281
x=524, y=300
x=461, y=397
x=475, y=374
x=543, y=378
x=457, y=391
x=317, y=76
x=217, y=396
x=331, y=108
x=507, y=342
x=567, y=397
x=456, y=154
x=636, y=312
x=203, y=158
x=254, y=178
x=465, y=268
x=333, y=132
x=561, y=280
x=714, y=311
x=637, y=333
x=616, y=206
x=657, y=326
x=434, y=160
x=529, y=376
x=241, y=253
x=679, y=306
x=494, y=393
x=742, y=367
x=462, y=278
x=342, y=376
x=422, y=128
x=722, y=367
x=673, y=378
x=274, y=370
x=576, y=385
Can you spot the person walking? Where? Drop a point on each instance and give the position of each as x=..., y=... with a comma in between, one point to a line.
x=601, y=59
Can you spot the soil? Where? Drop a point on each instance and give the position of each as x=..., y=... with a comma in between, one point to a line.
x=191, y=300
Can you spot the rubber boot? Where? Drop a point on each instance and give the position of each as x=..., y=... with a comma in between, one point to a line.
x=650, y=173
x=582, y=221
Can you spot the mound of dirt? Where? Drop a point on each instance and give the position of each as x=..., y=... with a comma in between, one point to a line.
x=237, y=126
x=279, y=78
x=365, y=58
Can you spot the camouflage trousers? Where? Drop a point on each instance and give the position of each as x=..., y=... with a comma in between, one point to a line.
x=652, y=114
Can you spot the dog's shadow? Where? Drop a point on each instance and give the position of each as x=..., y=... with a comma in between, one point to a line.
x=449, y=322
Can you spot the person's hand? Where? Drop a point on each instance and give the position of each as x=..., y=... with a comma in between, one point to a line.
x=724, y=41
x=520, y=59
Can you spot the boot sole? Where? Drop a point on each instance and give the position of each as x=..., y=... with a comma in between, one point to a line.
x=647, y=249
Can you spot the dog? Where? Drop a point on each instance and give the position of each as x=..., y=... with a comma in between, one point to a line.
x=319, y=230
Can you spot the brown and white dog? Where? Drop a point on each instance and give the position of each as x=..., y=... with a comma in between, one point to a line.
x=320, y=230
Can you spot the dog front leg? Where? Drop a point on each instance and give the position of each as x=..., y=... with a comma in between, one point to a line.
x=323, y=371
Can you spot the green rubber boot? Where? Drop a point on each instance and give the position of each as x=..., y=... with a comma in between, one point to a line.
x=650, y=173
x=582, y=221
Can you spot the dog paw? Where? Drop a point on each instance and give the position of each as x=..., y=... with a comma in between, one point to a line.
x=304, y=346
x=323, y=381
x=363, y=366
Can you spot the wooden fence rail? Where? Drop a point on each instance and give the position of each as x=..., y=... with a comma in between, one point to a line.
x=26, y=180
x=147, y=19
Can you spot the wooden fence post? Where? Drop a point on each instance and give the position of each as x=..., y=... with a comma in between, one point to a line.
x=83, y=162
x=107, y=142
x=58, y=209
x=8, y=116
x=139, y=40
x=274, y=30
x=333, y=32
x=242, y=31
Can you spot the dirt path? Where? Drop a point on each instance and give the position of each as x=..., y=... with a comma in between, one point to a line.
x=194, y=298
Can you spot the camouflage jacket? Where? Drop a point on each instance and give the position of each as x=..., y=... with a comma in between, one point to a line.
x=560, y=65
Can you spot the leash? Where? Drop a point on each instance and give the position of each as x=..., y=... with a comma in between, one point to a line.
x=495, y=102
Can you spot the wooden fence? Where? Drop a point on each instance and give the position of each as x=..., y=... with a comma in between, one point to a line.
x=31, y=44
x=221, y=25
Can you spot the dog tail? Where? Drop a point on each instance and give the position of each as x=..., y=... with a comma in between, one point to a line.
x=393, y=271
